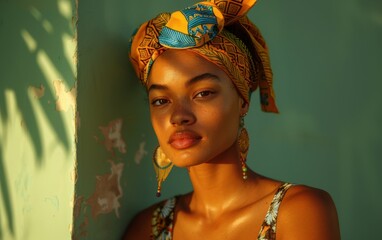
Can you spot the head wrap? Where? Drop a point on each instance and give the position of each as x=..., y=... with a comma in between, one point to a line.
x=220, y=32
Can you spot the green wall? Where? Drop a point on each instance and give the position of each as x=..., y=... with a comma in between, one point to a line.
x=115, y=139
x=326, y=58
x=37, y=119
x=327, y=63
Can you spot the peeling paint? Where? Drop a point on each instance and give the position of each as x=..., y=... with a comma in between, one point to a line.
x=77, y=206
x=77, y=121
x=65, y=99
x=83, y=227
x=108, y=191
x=70, y=228
x=141, y=152
x=74, y=175
x=37, y=92
x=82, y=231
x=112, y=136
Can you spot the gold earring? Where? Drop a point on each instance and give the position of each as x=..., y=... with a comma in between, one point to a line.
x=243, y=142
x=162, y=166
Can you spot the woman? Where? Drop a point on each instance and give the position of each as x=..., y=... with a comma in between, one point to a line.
x=200, y=66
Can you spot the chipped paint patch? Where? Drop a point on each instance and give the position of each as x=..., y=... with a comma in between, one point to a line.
x=113, y=137
x=77, y=206
x=140, y=153
x=108, y=191
x=37, y=92
x=65, y=98
x=82, y=231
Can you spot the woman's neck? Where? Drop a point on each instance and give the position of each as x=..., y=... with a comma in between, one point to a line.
x=219, y=185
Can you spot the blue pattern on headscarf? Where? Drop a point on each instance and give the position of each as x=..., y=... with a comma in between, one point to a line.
x=175, y=39
x=201, y=22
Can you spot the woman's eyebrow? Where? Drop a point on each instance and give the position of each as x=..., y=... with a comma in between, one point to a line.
x=202, y=77
x=193, y=80
x=156, y=87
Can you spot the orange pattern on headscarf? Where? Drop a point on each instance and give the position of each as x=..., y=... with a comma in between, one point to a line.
x=237, y=47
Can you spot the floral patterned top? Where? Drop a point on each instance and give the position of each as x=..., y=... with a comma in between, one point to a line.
x=163, y=216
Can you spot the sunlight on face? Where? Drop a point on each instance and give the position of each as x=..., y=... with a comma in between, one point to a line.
x=195, y=108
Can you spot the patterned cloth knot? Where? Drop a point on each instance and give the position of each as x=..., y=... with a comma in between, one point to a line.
x=192, y=27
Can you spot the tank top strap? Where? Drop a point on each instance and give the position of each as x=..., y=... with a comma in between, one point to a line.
x=163, y=220
x=268, y=228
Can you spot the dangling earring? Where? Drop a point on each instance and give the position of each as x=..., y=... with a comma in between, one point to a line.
x=162, y=166
x=243, y=141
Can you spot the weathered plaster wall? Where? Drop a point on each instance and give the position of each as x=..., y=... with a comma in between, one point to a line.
x=37, y=118
x=326, y=60
x=115, y=139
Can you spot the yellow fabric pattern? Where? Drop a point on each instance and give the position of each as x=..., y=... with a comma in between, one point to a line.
x=220, y=32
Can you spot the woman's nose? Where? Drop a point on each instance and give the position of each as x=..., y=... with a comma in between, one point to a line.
x=182, y=115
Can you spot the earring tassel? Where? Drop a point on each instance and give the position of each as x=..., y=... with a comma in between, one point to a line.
x=162, y=167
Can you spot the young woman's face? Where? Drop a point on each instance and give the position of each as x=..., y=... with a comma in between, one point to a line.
x=195, y=108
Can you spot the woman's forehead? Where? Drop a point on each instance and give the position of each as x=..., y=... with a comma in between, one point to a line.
x=182, y=63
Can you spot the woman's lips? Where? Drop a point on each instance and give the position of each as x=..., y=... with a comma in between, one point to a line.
x=184, y=139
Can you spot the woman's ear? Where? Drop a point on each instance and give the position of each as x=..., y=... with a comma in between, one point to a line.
x=244, y=107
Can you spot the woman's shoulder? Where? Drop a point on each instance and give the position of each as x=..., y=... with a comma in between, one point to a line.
x=140, y=226
x=307, y=211
x=300, y=198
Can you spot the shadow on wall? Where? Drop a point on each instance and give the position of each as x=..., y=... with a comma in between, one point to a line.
x=34, y=57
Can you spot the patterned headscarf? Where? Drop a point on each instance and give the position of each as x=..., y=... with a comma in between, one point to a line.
x=220, y=32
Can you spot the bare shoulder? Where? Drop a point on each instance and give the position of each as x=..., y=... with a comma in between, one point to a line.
x=140, y=226
x=307, y=212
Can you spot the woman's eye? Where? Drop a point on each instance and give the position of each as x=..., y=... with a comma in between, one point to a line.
x=159, y=102
x=203, y=94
